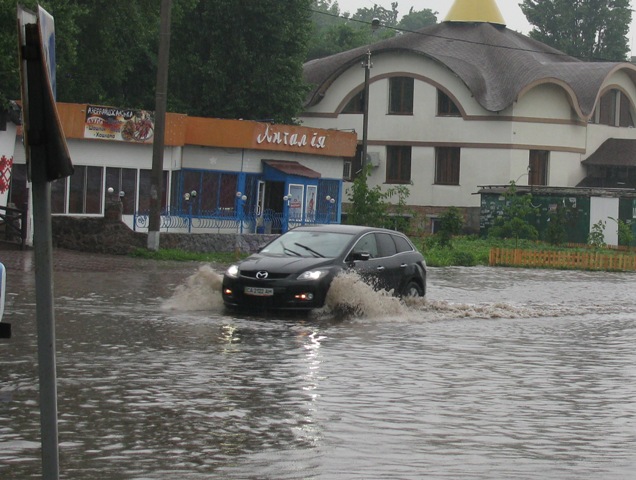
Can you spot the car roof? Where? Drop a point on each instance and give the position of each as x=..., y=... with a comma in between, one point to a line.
x=338, y=228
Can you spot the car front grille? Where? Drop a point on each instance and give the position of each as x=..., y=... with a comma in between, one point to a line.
x=270, y=275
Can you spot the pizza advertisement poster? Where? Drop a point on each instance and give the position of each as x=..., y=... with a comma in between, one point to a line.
x=122, y=125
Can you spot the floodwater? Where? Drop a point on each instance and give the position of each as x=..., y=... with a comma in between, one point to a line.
x=498, y=374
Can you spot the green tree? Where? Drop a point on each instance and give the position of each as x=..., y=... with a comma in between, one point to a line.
x=513, y=222
x=586, y=29
x=596, y=237
x=228, y=59
x=625, y=234
x=413, y=20
x=66, y=13
x=335, y=31
x=387, y=17
x=240, y=59
x=555, y=232
x=369, y=206
x=451, y=224
x=116, y=54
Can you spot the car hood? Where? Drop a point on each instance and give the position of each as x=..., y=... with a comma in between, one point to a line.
x=283, y=264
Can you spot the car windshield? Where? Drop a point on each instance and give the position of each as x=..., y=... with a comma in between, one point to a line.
x=309, y=244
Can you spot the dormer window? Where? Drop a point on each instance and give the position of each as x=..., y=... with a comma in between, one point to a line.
x=445, y=106
x=614, y=109
x=356, y=104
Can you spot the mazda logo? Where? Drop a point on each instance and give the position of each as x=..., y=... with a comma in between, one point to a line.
x=261, y=275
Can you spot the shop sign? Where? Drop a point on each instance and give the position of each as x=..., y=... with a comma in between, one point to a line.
x=123, y=125
x=293, y=138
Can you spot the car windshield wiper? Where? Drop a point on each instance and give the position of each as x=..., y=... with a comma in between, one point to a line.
x=311, y=250
x=288, y=250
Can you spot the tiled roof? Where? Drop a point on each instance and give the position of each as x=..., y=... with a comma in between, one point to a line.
x=495, y=63
x=614, y=152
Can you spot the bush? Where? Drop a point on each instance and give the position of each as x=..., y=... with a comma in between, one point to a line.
x=463, y=259
x=451, y=224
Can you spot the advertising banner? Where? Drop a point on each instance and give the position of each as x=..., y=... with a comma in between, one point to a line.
x=122, y=125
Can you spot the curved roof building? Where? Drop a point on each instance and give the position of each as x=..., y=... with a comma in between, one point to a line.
x=496, y=64
x=468, y=103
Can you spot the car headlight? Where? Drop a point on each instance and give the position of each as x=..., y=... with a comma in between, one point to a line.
x=232, y=271
x=312, y=275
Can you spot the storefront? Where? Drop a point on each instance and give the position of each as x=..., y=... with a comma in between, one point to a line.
x=219, y=175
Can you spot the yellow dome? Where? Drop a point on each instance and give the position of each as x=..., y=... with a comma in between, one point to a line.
x=485, y=11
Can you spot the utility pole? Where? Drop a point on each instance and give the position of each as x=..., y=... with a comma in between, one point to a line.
x=156, y=182
x=365, y=113
x=367, y=65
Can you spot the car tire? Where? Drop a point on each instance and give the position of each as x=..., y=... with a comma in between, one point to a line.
x=413, y=289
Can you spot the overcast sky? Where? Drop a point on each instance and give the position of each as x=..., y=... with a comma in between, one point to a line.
x=512, y=14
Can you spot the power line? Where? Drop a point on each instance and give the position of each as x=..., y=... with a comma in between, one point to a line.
x=503, y=47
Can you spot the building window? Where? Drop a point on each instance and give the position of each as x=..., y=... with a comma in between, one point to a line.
x=614, y=109
x=216, y=192
x=58, y=195
x=125, y=180
x=356, y=104
x=398, y=164
x=145, y=185
x=626, y=113
x=607, y=109
x=85, y=190
x=538, y=167
x=447, y=165
x=401, y=95
x=445, y=106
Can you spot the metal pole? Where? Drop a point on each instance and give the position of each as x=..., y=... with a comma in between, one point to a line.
x=365, y=118
x=156, y=183
x=45, y=316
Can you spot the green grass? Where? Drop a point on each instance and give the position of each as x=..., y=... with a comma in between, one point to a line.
x=465, y=251
x=468, y=251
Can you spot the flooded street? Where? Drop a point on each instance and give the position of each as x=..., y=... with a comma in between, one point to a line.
x=498, y=374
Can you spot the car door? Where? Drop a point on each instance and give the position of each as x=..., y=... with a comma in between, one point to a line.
x=392, y=267
x=373, y=270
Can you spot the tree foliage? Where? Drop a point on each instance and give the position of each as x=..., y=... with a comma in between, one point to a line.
x=414, y=20
x=335, y=31
x=451, y=224
x=228, y=59
x=370, y=205
x=514, y=219
x=240, y=59
x=586, y=29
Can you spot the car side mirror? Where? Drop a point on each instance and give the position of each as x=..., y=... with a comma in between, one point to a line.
x=362, y=256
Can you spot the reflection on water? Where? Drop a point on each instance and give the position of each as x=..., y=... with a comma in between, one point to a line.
x=498, y=373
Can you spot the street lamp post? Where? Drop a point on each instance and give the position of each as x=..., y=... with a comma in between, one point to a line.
x=330, y=204
x=189, y=198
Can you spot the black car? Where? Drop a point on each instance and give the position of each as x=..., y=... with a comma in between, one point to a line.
x=294, y=271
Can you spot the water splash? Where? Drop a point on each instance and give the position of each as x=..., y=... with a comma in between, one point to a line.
x=201, y=291
x=442, y=309
x=349, y=295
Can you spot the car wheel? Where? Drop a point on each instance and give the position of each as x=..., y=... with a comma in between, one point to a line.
x=413, y=289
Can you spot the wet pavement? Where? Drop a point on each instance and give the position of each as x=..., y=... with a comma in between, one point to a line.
x=15, y=259
x=499, y=373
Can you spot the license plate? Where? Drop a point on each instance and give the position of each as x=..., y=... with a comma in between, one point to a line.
x=259, y=291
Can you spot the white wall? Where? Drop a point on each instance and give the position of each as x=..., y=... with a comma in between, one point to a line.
x=605, y=209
